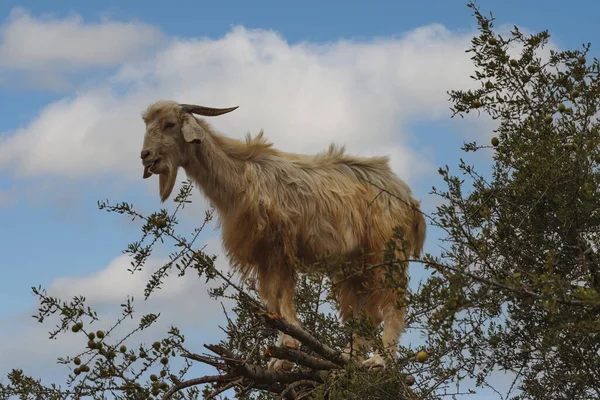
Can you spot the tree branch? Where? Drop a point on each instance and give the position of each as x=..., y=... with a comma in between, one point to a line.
x=299, y=357
x=304, y=337
x=197, y=381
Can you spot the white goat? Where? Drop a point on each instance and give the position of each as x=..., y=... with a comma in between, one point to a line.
x=276, y=208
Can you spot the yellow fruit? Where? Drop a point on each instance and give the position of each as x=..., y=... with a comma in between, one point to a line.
x=422, y=356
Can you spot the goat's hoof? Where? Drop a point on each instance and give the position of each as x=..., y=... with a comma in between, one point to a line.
x=276, y=364
x=376, y=362
x=290, y=342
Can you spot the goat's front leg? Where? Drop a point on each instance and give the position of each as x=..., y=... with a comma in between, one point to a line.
x=276, y=288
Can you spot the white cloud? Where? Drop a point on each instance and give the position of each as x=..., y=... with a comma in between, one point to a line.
x=183, y=302
x=33, y=43
x=43, y=49
x=304, y=96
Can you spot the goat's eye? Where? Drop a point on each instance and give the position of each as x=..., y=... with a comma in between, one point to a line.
x=169, y=125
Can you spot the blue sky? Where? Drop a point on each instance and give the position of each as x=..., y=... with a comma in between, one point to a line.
x=71, y=94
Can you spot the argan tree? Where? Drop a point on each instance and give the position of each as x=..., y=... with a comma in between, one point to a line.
x=515, y=289
x=518, y=281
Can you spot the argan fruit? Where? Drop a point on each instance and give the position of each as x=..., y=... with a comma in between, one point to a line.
x=91, y=344
x=91, y=336
x=98, y=345
x=410, y=380
x=85, y=368
x=495, y=141
x=164, y=385
x=77, y=371
x=597, y=159
x=575, y=93
x=123, y=349
x=531, y=69
x=582, y=60
x=132, y=357
x=75, y=328
x=514, y=63
x=548, y=119
x=156, y=345
x=143, y=354
x=153, y=378
x=77, y=361
x=561, y=107
x=489, y=85
x=493, y=41
x=422, y=356
x=163, y=373
x=164, y=360
x=476, y=104
x=100, y=334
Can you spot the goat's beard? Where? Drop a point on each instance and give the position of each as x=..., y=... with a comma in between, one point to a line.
x=166, y=181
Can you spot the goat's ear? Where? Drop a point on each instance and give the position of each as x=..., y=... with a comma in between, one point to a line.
x=192, y=132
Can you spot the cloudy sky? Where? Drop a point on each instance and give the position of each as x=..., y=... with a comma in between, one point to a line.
x=74, y=78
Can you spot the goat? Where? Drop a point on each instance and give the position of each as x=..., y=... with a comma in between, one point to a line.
x=276, y=208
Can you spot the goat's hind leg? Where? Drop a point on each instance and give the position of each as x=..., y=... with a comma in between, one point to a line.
x=390, y=303
x=351, y=297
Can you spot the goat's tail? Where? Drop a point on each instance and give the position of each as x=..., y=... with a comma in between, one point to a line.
x=418, y=229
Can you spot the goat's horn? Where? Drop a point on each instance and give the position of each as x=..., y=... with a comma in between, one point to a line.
x=206, y=111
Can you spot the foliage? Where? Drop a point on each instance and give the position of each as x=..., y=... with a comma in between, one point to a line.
x=519, y=274
x=516, y=287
